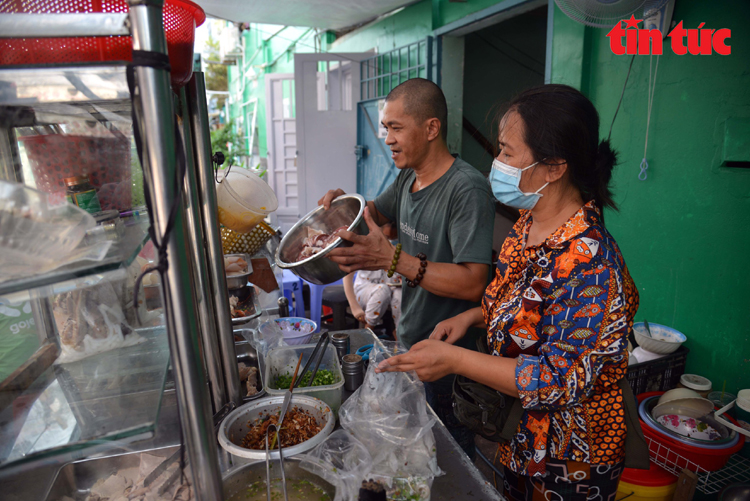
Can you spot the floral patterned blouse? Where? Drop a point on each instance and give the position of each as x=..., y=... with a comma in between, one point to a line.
x=563, y=309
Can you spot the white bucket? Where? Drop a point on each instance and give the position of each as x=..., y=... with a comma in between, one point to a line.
x=244, y=200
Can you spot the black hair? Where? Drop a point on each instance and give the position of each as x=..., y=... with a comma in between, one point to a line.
x=423, y=100
x=560, y=122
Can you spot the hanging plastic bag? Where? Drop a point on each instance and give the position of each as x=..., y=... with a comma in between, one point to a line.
x=268, y=335
x=389, y=415
x=342, y=461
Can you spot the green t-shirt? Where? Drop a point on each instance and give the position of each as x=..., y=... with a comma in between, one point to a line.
x=450, y=221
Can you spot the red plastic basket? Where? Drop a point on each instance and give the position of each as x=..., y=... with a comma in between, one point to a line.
x=180, y=20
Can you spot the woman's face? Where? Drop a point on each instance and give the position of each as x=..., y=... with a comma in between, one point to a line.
x=515, y=152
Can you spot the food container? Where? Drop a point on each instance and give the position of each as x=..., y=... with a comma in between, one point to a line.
x=318, y=269
x=296, y=330
x=105, y=161
x=234, y=428
x=238, y=280
x=354, y=371
x=722, y=398
x=244, y=200
x=683, y=455
x=341, y=342
x=696, y=383
x=283, y=360
x=237, y=480
x=663, y=340
x=654, y=484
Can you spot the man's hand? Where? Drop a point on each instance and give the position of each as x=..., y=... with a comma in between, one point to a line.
x=368, y=252
x=329, y=197
x=430, y=359
x=450, y=330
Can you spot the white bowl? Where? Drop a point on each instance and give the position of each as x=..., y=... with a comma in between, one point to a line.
x=689, y=407
x=678, y=394
x=663, y=340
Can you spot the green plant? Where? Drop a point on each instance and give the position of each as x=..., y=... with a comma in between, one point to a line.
x=223, y=138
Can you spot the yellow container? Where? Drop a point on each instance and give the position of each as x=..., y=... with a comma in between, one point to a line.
x=633, y=492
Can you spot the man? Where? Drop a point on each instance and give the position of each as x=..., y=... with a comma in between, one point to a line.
x=442, y=208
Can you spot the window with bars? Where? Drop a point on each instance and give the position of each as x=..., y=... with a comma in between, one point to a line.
x=381, y=73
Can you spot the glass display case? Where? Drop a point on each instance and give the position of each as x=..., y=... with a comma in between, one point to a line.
x=89, y=354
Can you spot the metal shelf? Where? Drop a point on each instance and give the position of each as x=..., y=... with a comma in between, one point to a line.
x=737, y=468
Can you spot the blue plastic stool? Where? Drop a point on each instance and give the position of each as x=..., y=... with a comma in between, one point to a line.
x=316, y=300
x=293, y=289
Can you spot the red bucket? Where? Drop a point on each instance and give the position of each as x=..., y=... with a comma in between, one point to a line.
x=104, y=160
x=180, y=20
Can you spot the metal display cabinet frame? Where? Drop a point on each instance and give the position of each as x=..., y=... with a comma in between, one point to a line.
x=194, y=293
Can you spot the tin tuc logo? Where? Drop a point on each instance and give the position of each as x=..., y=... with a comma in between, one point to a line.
x=701, y=41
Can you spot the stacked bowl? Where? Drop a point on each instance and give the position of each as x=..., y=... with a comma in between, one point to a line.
x=684, y=431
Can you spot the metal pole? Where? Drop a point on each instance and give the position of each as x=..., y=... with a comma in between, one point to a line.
x=203, y=296
x=153, y=106
x=198, y=111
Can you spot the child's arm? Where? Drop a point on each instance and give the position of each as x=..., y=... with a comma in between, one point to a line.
x=357, y=310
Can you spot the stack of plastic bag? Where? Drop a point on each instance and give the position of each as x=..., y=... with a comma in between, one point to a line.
x=388, y=415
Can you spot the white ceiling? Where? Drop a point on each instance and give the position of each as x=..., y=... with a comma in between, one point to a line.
x=324, y=14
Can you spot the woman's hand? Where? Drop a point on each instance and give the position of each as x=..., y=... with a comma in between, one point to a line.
x=429, y=358
x=368, y=252
x=450, y=330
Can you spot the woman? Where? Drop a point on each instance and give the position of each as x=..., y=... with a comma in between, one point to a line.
x=559, y=309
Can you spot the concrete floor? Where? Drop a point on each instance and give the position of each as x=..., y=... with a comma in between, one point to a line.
x=488, y=449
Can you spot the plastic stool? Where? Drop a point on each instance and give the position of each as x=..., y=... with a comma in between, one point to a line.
x=293, y=287
x=316, y=300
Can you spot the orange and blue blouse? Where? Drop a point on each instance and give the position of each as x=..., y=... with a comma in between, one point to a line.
x=563, y=310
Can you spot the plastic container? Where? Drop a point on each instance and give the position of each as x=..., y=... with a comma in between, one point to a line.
x=663, y=340
x=245, y=243
x=696, y=383
x=296, y=330
x=105, y=161
x=283, y=360
x=180, y=18
x=682, y=455
x=35, y=235
x=244, y=200
x=654, y=484
x=658, y=375
x=722, y=398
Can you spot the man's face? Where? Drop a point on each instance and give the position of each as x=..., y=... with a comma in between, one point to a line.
x=407, y=139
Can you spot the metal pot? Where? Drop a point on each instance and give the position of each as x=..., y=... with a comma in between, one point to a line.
x=239, y=280
x=235, y=427
x=318, y=269
x=239, y=478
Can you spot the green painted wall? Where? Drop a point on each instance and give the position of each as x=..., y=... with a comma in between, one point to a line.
x=264, y=54
x=684, y=231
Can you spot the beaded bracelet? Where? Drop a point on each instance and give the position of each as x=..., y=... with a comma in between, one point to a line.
x=396, y=255
x=420, y=274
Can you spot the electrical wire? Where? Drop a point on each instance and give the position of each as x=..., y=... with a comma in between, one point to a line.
x=621, y=96
x=642, y=175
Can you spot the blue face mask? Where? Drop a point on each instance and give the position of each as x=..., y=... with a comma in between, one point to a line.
x=504, y=180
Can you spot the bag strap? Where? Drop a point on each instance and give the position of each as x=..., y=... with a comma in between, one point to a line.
x=636, y=448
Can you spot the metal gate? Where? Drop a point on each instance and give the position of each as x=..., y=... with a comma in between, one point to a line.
x=379, y=75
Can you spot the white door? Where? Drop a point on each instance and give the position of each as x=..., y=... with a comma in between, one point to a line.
x=327, y=89
x=281, y=139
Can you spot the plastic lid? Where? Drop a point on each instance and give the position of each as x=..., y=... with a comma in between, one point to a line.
x=695, y=382
x=655, y=476
x=73, y=180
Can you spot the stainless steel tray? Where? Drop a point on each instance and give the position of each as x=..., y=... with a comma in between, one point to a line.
x=76, y=479
x=249, y=356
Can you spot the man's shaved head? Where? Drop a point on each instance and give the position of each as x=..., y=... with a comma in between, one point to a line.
x=422, y=100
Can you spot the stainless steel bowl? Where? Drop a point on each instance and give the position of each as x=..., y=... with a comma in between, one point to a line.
x=318, y=269
x=235, y=426
x=238, y=280
x=239, y=478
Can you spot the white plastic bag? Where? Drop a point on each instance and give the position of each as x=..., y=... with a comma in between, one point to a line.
x=389, y=415
x=342, y=461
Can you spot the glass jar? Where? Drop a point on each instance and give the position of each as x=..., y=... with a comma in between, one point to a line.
x=81, y=193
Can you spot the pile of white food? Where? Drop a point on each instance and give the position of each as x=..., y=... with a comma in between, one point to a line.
x=127, y=484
